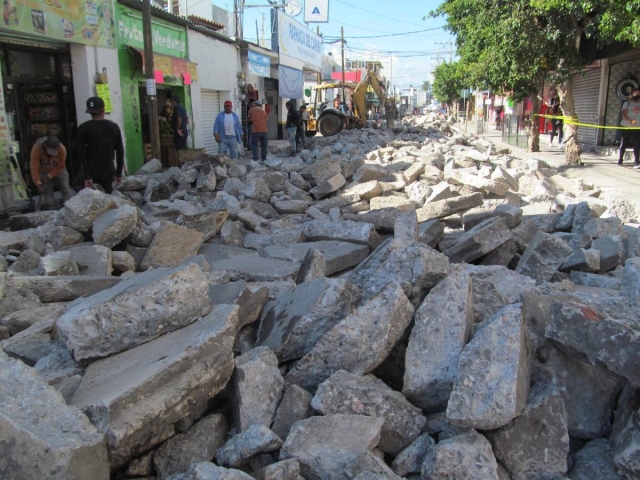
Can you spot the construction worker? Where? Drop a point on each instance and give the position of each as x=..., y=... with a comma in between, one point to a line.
x=390, y=113
x=48, y=169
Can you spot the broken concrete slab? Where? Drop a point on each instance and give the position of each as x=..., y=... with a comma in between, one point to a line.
x=598, y=330
x=431, y=232
x=443, y=327
x=466, y=456
x=247, y=444
x=213, y=253
x=171, y=245
x=383, y=219
x=536, y=443
x=285, y=470
x=327, y=187
x=582, y=260
x=210, y=471
x=410, y=460
x=42, y=436
x=26, y=317
x=80, y=211
x=611, y=249
x=113, y=226
x=480, y=240
x=30, y=220
x=257, y=269
x=543, y=257
x=338, y=255
x=169, y=377
x=296, y=321
x=488, y=398
x=58, y=264
x=208, y=222
x=625, y=434
x=136, y=310
x=448, y=206
x=366, y=190
x=630, y=289
x=250, y=299
x=346, y=231
x=594, y=460
x=295, y=406
x=589, y=393
x=381, y=322
x=92, y=259
x=351, y=394
x=257, y=388
x=324, y=446
x=62, y=289
x=318, y=172
x=198, y=444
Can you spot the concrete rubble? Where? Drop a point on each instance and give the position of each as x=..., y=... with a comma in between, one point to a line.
x=401, y=303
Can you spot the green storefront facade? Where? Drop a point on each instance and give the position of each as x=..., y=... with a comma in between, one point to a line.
x=172, y=70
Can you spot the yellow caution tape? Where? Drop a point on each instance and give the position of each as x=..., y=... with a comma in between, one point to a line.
x=574, y=121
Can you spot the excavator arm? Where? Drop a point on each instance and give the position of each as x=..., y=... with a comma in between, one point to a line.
x=360, y=95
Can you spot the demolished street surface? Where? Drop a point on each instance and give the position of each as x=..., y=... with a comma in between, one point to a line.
x=404, y=303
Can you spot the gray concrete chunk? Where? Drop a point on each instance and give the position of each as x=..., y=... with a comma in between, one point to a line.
x=295, y=406
x=171, y=245
x=41, y=436
x=337, y=255
x=135, y=397
x=493, y=381
x=257, y=269
x=480, y=240
x=113, y=226
x=443, y=327
x=351, y=394
x=80, y=211
x=448, y=206
x=63, y=289
x=543, y=256
x=245, y=445
x=136, y=310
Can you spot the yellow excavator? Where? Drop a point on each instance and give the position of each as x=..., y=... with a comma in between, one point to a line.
x=330, y=121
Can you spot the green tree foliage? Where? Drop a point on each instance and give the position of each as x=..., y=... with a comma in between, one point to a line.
x=426, y=85
x=449, y=79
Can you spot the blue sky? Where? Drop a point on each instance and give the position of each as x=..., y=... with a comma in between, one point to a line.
x=408, y=59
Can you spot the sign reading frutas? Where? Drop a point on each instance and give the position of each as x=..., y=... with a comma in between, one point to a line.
x=76, y=21
x=297, y=41
x=166, y=39
x=316, y=11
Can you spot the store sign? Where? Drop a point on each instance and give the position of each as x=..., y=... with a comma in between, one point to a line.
x=290, y=83
x=89, y=22
x=259, y=64
x=316, y=11
x=297, y=41
x=167, y=39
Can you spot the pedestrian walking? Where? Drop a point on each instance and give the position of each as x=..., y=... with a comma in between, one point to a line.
x=250, y=105
x=293, y=121
x=557, y=124
x=227, y=131
x=48, y=169
x=631, y=136
x=179, y=123
x=101, y=140
x=258, y=118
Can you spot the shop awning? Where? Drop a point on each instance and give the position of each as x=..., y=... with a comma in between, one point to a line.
x=291, y=83
x=169, y=66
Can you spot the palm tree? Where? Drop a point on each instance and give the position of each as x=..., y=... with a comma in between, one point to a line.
x=426, y=85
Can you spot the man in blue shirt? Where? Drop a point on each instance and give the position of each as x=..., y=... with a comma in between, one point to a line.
x=227, y=131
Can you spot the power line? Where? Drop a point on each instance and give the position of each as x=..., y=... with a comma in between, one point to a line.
x=379, y=14
x=398, y=34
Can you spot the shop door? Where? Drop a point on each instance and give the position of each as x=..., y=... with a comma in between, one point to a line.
x=210, y=109
x=272, y=119
x=586, y=92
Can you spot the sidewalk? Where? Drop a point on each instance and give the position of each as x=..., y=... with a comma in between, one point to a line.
x=600, y=171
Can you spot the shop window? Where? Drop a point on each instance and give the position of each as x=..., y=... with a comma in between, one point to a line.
x=32, y=65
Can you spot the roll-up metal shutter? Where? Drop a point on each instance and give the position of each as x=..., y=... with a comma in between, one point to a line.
x=586, y=93
x=210, y=109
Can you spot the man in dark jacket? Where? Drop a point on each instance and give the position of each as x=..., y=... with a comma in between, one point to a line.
x=180, y=124
x=293, y=120
x=101, y=140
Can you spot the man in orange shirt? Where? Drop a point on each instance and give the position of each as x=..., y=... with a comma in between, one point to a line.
x=258, y=131
x=48, y=168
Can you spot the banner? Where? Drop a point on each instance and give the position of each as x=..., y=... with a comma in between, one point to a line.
x=77, y=21
x=290, y=83
x=259, y=64
x=297, y=41
x=316, y=11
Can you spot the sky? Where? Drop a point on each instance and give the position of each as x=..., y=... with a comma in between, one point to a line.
x=408, y=58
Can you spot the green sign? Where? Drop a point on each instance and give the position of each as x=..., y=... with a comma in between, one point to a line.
x=168, y=39
x=77, y=21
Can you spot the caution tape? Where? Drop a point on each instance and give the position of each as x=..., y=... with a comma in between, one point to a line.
x=574, y=121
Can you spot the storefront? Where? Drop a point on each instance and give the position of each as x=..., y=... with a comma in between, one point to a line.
x=260, y=83
x=37, y=82
x=173, y=73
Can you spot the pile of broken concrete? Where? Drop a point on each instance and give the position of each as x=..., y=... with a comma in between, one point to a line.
x=385, y=305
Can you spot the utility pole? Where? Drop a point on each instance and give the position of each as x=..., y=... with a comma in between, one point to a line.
x=154, y=126
x=343, y=93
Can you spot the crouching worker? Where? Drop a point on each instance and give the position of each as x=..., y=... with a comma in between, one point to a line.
x=48, y=169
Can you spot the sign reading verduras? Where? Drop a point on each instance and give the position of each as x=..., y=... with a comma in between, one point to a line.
x=76, y=21
x=316, y=11
x=297, y=41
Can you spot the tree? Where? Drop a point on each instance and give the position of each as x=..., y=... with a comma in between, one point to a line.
x=426, y=85
x=448, y=80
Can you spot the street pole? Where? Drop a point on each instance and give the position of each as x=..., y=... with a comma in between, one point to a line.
x=154, y=126
x=344, y=99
